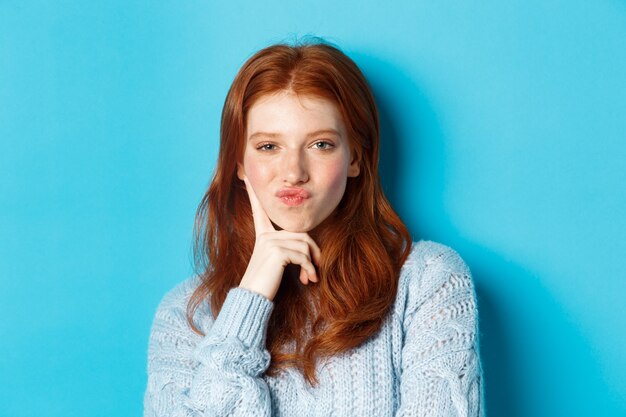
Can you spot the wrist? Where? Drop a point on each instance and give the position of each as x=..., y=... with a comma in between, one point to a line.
x=264, y=292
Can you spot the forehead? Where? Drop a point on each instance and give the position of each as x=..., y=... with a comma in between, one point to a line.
x=287, y=112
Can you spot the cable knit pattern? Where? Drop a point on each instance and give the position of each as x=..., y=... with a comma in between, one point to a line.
x=425, y=360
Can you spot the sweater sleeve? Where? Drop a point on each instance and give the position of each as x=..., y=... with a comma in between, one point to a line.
x=219, y=374
x=441, y=373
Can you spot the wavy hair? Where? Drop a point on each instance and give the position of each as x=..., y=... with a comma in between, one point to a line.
x=363, y=243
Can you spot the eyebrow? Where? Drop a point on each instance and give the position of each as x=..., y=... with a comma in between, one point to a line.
x=309, y=135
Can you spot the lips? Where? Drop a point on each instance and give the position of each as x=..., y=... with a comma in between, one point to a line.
x=293, y=196
x=293, y=192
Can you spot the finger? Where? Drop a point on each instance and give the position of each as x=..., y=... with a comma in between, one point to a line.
x=300, y=242
x=307, y=270
x=314, y=249
x=262, y=223
x=316, y=252
x=304, y=277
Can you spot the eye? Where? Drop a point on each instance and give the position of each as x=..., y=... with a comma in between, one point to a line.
x=323, y=145
x=266, y=147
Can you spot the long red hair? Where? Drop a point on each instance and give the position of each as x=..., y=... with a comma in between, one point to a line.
x=363, y=242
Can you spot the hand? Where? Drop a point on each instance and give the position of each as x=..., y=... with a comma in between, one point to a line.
x=273, y=251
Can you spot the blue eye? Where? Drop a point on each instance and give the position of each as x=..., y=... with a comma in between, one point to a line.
x=324, y=148
x=264, y=147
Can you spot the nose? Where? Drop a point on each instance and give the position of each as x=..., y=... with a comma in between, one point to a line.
x=295, y=168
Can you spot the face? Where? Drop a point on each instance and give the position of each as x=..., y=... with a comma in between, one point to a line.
x=297, y=158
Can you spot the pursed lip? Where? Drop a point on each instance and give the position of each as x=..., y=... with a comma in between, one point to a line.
x=293, y=192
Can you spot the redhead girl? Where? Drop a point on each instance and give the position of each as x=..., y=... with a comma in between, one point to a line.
x=311, y=299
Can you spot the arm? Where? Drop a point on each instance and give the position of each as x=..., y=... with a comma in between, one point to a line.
x=216, y=375
x=221, y=374
x=441, y=374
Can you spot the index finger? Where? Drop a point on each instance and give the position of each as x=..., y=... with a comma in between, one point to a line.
x=262, y=223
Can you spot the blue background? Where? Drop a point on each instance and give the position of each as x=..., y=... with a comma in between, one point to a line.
x=503, y=137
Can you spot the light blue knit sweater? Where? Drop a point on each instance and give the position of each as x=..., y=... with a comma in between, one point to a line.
x=424, y=362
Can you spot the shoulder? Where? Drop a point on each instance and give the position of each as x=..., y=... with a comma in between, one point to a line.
x=426, y=253
x=179, y=295
x=172, y=340
x=434, y=275
x=172, y=309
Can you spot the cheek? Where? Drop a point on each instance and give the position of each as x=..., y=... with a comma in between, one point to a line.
x=258, y=173
x=335, y=177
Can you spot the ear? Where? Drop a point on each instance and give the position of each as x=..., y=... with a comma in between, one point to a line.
x=355, y=166
x=240, y=171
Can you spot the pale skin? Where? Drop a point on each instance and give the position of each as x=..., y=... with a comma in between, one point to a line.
x=292, y=141
x=273, y=251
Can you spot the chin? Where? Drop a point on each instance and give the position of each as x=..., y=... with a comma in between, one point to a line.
x=295, y=227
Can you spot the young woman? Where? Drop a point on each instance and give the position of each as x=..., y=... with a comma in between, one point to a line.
x=311, y=298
